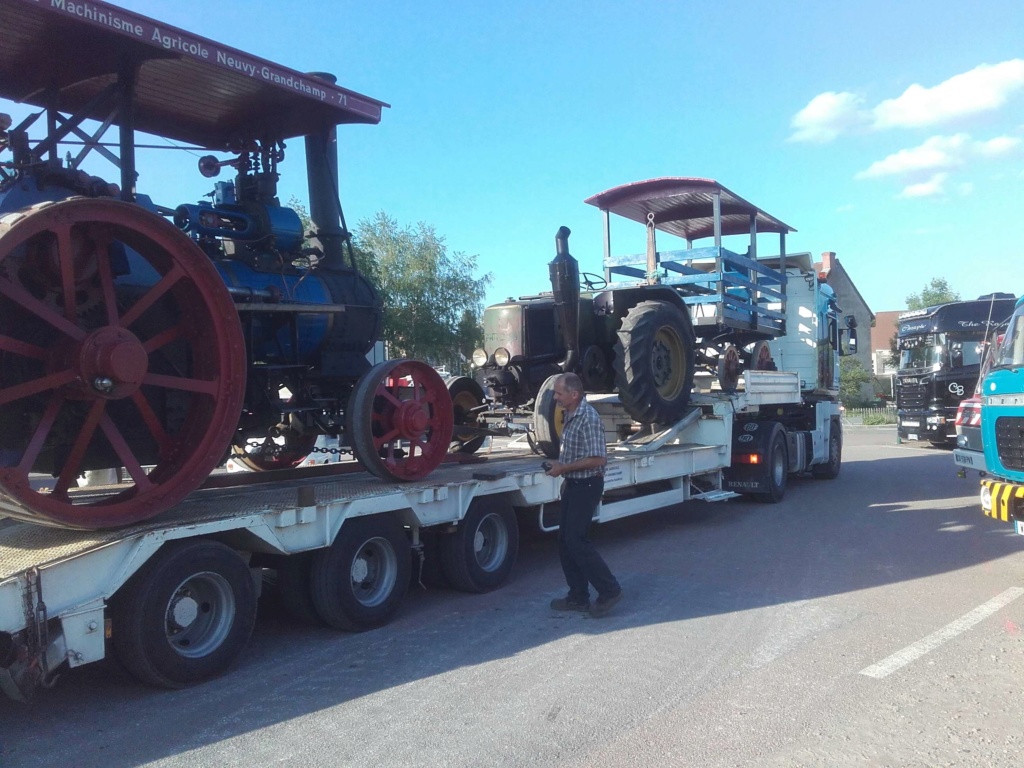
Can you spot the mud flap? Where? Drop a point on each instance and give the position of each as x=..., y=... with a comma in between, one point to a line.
x=748, y=472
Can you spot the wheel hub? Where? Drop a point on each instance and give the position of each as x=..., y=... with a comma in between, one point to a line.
x=360, y=570
x=412, y=419
x=184, y=611
x=110, y=363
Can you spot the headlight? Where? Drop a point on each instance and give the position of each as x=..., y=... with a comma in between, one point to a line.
x=479, y=358
x=986, y=498
x=502, y=356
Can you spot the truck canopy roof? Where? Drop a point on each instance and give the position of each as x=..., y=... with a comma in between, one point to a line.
x=970, y=317
x=684, y=207
x=63, y=53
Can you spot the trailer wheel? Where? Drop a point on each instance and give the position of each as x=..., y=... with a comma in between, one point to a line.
x=359, y=581
x=548, y=419
x=654, y=364
x=479, y=556
x=830, y=469
x=467, y=396
x=186, y=615
x=777, y=468
x=294, y=583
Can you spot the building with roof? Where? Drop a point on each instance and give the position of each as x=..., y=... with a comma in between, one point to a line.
x=851, y=302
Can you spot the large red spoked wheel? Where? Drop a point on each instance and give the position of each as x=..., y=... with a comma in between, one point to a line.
x=119, y=347
x=400, y=420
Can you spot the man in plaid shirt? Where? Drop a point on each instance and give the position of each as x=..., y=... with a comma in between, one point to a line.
x=581, y=462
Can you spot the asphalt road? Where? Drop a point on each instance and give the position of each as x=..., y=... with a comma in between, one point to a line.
x=870, y=620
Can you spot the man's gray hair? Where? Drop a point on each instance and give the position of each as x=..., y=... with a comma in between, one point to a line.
x=572, y=382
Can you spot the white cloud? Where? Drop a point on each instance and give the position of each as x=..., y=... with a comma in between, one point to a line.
x=828, y=115
x=997, y=146
x=934, y=186
x=982, y=89
x=939, y=153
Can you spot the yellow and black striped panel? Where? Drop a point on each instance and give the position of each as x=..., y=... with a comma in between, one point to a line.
x=1006, y=499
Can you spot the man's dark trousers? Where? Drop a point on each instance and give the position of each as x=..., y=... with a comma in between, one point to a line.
x=580, y=560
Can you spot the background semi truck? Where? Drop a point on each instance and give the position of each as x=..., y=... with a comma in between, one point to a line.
x=940, y=352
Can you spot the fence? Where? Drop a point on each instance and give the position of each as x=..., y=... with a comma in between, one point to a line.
x=871, y=415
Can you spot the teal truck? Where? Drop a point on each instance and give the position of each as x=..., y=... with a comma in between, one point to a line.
x=1002, y=427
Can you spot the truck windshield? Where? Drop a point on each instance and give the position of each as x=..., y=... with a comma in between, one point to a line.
x=1011, y=353
x=964, y=352
x=921, y=351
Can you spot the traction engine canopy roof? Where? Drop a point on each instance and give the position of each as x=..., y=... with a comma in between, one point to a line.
x=62, y=53
x=684, y=207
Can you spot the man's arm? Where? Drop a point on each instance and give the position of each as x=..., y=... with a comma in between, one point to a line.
x=590, y=462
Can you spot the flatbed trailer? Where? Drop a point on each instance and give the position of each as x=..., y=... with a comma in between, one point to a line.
x=175, y=597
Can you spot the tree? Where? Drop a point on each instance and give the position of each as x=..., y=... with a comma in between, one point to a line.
x=432, y=300
x=852, y=377
x=935, y=293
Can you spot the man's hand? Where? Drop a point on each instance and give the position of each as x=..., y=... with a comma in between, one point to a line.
x=553, y=468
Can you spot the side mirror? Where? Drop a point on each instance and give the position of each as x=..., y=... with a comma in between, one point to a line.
x=851, y=321
x=851, y=343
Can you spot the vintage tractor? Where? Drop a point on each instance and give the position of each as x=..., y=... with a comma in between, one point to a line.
x=644, y=327
x=158, y=339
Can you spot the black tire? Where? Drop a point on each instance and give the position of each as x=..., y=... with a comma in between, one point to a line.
x=777, y=468
x=654, y=362
x=466, y=394
x=186, y=615
x=358, y=582
x=830, y=469
x=548, y=419
x=479, y=556
x=294, y=583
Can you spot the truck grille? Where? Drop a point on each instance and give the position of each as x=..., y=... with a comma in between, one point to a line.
x=1010, y=441
x=911, y=397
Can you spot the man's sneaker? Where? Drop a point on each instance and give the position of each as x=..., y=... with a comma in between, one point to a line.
x=604, y=604
x=567, y=604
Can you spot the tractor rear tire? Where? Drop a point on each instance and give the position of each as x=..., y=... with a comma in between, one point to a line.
x=654, y=362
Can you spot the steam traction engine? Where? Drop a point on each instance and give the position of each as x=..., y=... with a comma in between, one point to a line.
x=157, y=339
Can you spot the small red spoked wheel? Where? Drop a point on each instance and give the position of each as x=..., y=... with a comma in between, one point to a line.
x=400, y=420
x=119, y=347
x=729, y=368
x=761, y=357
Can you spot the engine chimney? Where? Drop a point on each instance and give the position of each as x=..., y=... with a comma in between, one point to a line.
x=564, y=272
x=324, y=201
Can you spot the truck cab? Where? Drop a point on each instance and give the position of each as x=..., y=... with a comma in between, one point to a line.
x=940, y=350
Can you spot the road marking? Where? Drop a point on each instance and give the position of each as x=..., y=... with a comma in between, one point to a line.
x=916, y=650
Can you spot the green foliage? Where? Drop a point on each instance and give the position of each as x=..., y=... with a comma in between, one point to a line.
x=432, y=300
x=893, y=360
x=936, y=292
x=852, y=377
x=433, y=304
x=878, y=419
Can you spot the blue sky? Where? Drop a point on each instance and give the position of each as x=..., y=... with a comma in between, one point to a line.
x=888, y=132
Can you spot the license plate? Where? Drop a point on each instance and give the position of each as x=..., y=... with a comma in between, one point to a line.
x=912, y=437
x=1018, y=527
x=911, y=423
